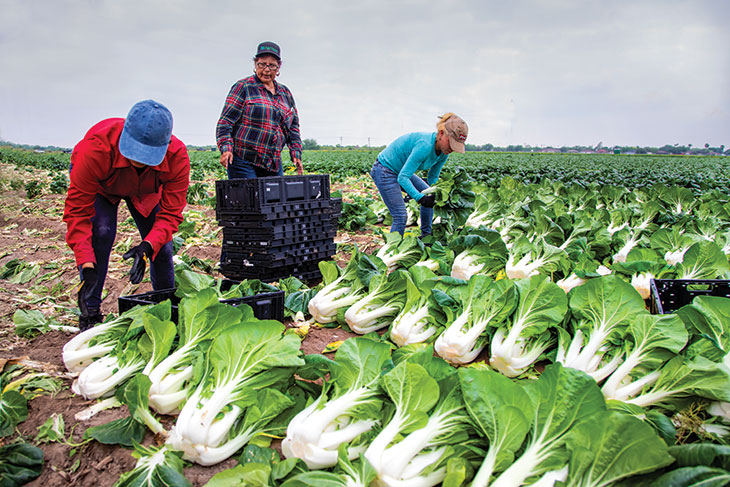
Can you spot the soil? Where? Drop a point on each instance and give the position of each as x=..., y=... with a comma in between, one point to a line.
x=32, y=231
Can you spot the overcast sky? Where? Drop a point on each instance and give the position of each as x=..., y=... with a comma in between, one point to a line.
x=551, y=72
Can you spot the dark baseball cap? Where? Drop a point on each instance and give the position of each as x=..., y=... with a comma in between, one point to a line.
x=268, y=47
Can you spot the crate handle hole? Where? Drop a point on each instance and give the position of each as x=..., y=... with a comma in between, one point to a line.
x=699, y=288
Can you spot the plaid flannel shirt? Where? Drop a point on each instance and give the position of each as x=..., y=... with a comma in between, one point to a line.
x=255, y=124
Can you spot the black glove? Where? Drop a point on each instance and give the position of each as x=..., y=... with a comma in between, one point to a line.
x=88, y=317
x=428, y=201
x=141, y=253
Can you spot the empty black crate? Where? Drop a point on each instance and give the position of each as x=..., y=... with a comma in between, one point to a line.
x=258, y=193
x=265, y=306
x=668, y=295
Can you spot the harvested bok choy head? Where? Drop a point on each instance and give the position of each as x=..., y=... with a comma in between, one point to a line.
x=563, y=399
x=225, y=410
x=601, y=311
x=480, y=252
x=348, y=408
x=415, y=323
x=400, y=252
x=201, y=318
x=384, y=300
x=527, y=259
x=156, y=467
x=99, y=340
x=521, y=340
x=651, y=341
x=438, y=259
x=427, y=427
x=703, y=260
x=483, y=304
x=342, y=287
x=129, y=356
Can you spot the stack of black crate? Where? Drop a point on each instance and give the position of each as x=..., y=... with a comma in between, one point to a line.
x=276, y=227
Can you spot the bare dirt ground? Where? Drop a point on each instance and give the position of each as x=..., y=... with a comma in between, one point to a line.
x=32, y=231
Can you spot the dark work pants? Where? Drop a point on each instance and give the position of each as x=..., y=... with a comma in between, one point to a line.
x=240, y=169
x=103, y=233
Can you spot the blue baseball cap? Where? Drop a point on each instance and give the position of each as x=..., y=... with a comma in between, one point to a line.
x=146, y=134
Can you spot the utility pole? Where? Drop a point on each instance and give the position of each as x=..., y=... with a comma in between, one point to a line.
x=368, y=141
x=340, y=140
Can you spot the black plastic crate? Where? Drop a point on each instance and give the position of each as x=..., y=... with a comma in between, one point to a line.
x=259, y=245
x=265, y=306
x=257, y=238
x=258, y=193
x=235, y=256
x=668, y=295
x=255, y=223
x=305, y=271
x=315, y=209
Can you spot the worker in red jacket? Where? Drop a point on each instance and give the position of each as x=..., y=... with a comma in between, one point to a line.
x=137, y=160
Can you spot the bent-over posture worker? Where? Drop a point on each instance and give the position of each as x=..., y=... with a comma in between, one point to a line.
x=137, y=160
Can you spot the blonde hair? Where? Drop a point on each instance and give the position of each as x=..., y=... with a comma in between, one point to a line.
x=442, y=120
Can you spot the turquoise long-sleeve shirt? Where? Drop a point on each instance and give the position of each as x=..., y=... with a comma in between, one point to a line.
x=410, y=153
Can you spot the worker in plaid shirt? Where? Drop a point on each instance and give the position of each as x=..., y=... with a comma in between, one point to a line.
x=258, y=118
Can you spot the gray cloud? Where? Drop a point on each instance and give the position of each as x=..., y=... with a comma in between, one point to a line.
x=536, y=72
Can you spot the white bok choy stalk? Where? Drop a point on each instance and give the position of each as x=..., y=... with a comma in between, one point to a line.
x=415, y=323
x=384, y=300
x=485, y=304
x=601, y=310
x=440, y=259
x=348, y=407
x=241, y=360
x=342, y=288
x=201, y=318
x=480, y=252
x=528, y=259
x=573, y=280
x=409, y=451
x=671, y=243
x=563, y=399
x=650, y=342
x=703, y=260
x=400, y=252
x=628, y=239
x=681, y=379
x=520, y=341
x=155, y=467
x=97, y=341
x=131, y=353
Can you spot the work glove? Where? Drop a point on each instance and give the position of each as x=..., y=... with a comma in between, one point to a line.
x=141, y=253
x=88, y=317
x=428, y=201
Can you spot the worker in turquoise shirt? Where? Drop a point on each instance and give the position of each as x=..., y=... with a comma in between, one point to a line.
x=396, y=166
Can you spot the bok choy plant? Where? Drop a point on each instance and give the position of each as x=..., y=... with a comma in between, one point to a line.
x=520, y=341
x=236, y=397
x=348, y=407
x=484, y=304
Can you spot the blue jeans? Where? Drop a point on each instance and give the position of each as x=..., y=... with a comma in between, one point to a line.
x=103, y=233
x=240, y=169
x=390, y=190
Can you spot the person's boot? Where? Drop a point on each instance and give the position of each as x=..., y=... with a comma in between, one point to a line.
x=93, y=317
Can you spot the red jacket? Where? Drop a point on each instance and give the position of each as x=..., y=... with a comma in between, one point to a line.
x=97, y=167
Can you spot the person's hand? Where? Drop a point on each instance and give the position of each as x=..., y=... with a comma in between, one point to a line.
x=141, y=253
x=226, y=158
x=298, y=165
x=428, y=201
x=89, y=276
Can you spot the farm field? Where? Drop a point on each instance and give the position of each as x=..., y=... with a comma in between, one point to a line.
x=36, y=267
